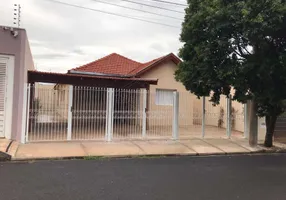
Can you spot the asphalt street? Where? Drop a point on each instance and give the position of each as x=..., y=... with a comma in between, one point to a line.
x=246, y=177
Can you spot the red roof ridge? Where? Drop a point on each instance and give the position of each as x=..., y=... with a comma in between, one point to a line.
x=109, y=55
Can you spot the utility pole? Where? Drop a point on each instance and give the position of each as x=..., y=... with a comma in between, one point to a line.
x=253, y=124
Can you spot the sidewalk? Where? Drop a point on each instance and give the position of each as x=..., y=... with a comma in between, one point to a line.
x=5, y=144
x=7, y=149
x=50, y=150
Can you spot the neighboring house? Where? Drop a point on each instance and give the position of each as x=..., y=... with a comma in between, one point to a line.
x=15, y=61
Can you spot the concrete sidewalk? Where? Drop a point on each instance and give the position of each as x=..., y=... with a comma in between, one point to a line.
x=49, y=150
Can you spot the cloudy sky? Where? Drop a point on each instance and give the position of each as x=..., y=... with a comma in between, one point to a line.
x=62, y=37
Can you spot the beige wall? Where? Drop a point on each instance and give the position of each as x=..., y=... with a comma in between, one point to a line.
x=261, y=128
x=190, y=107
x=215, y=113
x=239, y=116
x=53, y=102
x=166, y=80
x=46, y=95
x=18, y=47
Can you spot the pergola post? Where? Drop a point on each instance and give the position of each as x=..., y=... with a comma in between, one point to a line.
x=70, y=103
x=109, y=114
x=176, y=115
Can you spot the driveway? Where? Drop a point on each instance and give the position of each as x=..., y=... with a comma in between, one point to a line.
x=246, y=177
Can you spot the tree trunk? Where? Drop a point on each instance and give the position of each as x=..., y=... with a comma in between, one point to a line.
x=253, y=124
x=270, y=126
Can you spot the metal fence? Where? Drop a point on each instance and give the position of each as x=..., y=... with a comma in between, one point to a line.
x=63, y=112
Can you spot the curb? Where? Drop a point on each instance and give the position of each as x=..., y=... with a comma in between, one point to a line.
x=102, y=157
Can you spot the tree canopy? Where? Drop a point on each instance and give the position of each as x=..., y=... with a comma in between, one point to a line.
x=239, y=44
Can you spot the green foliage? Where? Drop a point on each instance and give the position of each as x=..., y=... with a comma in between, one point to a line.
x=239, y=44
x=94, y=157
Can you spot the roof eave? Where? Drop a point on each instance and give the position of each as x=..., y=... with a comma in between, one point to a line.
x=33, y=73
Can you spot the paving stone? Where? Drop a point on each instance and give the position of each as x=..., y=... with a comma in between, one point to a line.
x=111, y=149
x=164, y=148
x=201, y=147
x=227, y=146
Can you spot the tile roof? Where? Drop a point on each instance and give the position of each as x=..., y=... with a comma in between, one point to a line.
x=143, y=66
x=115, y=64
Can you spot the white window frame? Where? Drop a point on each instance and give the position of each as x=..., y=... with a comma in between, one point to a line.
x=168, y=100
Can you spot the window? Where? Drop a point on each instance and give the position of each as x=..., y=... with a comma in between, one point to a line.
x=164, y=97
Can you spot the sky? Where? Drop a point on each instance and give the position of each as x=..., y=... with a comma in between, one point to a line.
x=63, y=37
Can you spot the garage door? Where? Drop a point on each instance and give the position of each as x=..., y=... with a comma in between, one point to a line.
x=3, y=84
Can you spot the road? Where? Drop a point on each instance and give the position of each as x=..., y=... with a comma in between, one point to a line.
x=247, y=177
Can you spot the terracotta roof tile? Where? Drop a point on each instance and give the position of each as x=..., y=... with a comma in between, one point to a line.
x=144, y=65
x=115, y=64
x=111, y=64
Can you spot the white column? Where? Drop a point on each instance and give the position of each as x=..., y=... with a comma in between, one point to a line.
x=109, y=114
x=112, y=112
x=228, y=117
x=176, y=115
x=25, y=116
x=144, y=115
x=69, y=135
x=204, y=117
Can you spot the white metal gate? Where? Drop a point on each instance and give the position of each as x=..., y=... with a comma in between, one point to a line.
x=63, y=112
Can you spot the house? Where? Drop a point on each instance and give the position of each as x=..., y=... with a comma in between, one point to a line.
x=156, y=76
x=15, y=61
x=140, y=97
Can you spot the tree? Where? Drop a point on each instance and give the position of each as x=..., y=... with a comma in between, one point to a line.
x=239, y=44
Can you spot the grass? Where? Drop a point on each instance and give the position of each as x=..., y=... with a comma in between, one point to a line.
x=151, y=156
x=94, y=157
x=126, y=157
